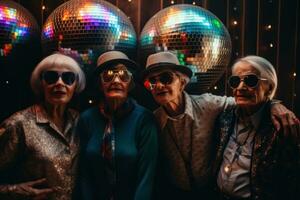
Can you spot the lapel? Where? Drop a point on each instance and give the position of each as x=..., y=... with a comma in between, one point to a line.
x=263, y=141
x=224, y=128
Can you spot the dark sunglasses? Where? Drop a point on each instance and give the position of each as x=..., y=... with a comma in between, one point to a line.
x=250, y=80
x=51, y=77
x=164, y=78
x=109, y=75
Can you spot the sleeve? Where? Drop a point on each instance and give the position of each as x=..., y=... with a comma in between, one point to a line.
x=147, y=157
x=11, y=143
x=83, y=189
x=289, y=167
x=219, y=103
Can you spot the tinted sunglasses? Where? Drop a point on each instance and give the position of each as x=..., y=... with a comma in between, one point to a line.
x=51, y=77
x=109, y=75
x=250, y=80
x=164, y=78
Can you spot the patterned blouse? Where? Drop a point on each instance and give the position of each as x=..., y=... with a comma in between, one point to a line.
x=32, y=147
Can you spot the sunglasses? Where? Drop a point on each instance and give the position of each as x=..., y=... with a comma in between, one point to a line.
x=109, y=75
x=164, y=78
x=51, y=77
x=250, y=80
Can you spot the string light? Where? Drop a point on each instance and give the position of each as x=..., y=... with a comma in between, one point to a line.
x=7, y=82
x=269, y=26
x=235, y=22
x=294, y=74
x=90, y=101
x=194, y=3
x=271, y=45
x=215, y=87
x=172, y=2
x=129, y=0
x=43, y=7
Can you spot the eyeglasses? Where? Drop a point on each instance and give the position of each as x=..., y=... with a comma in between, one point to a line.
x=164, y=78
x=250, y=80
x=109, y=75
x=51, y=77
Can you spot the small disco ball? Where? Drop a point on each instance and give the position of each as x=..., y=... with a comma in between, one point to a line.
x=195, y=35
x=84, y=29
x=17, y=28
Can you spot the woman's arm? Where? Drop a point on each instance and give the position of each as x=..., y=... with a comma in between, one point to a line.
x=147, y=157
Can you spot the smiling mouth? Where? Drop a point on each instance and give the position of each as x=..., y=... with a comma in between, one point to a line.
x=115, y=89
x=244, y=96
x=59, y=93
x=161, y=93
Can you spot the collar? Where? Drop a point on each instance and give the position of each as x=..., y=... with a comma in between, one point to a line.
x=163, y=117
x=42, y=116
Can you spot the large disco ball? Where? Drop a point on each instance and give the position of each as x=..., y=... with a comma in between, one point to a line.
x=17, y=27
x=84, y=29
x=198, y=37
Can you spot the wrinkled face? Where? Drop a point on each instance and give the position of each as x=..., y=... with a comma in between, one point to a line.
x=245, y=91
x=58, y=85
x=165, y=86
x=115, y=82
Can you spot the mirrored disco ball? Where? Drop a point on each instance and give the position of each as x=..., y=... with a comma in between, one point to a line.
x=195, y=35
x=17, y=27
x=83, y=29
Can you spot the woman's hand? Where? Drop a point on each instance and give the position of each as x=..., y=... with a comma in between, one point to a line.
x=285, y=119
x=31, y=189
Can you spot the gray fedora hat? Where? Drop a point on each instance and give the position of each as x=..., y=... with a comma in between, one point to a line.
x=164, y=60
x=110, y=58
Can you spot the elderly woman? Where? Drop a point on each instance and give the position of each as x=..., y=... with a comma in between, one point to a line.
x=118, y=138
x=187, y=123
x=254, y=161
x=38, y=145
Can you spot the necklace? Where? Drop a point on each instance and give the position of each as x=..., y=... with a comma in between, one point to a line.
x=240, y=137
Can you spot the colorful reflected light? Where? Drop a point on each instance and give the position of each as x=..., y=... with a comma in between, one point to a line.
x=85, y=29
x=14, y=27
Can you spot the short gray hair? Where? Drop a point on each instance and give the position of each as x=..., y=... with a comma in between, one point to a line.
x=265, y=68
x=60, y=60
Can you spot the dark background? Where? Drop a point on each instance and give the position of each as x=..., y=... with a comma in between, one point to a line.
x=268, y=28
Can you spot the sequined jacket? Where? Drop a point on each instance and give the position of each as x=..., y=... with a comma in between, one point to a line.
x=32, y=148
x=275, y=163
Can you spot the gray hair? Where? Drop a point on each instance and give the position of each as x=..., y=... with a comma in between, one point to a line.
x=60, y=60
x=265, y=68
x=183, y=76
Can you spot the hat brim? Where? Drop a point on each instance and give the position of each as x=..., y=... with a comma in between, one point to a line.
x=130, y=65
x=161, y=66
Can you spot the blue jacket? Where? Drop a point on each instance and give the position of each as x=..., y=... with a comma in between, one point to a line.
x=135, y=155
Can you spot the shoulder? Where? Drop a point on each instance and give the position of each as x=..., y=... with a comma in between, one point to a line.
x=17, y=120
x=141, y=110
x=20, y=117
x=89, y=113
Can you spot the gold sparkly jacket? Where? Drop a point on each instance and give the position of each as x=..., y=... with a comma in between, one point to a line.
x=32, y=147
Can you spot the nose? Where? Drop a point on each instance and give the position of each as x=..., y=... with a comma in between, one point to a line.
x=116, y=79
x=158, y=84
x=60, y=81
x=241, y=85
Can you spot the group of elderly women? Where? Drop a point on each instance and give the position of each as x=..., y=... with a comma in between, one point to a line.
x=192, y=147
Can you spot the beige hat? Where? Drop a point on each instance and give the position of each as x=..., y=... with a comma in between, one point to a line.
x=110, y=58
x=164, y=60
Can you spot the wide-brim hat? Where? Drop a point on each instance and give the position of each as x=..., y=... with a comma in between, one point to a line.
x=164, y=60
x=111, y=58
